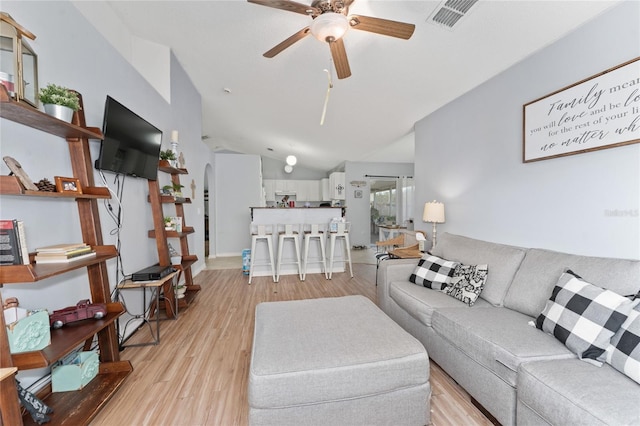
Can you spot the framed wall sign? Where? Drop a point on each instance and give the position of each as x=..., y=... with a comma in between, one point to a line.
x=602, y=111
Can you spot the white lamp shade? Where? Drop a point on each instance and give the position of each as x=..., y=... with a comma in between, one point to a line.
x=288, y=169
x=329, y=25
x=433, y=212
x=291, y=160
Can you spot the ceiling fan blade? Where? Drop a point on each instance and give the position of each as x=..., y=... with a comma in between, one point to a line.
x=340, y=60
x=286, y=43
x=382, y=26
x=291, y=6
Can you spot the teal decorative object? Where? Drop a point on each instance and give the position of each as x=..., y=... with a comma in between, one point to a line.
x=30, y=333
x=74, y=373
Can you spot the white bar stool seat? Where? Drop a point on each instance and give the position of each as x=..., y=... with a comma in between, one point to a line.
x=288, y=232
x=342, y=233
x=314, y=231
x=263, y=233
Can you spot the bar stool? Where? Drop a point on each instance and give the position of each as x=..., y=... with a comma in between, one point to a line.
x=262, y=233
x=314, y=231
x=291, y=233
x=342, y=232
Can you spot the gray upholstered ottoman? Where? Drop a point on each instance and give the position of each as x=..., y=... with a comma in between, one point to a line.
x=335, y=361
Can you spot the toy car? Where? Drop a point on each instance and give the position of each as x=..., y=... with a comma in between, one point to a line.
x=84, y=309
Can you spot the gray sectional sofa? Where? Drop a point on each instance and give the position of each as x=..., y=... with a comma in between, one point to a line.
x=518, y=373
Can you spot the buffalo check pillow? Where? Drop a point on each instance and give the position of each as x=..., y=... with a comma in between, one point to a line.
x=623, y=353
x=583, y=316
x=433, y=272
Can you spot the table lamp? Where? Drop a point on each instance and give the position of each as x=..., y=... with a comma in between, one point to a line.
x=434, y=213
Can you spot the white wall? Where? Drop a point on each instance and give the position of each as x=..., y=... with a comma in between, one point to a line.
x=470, y=155
x=238, y=186
x=77, y=56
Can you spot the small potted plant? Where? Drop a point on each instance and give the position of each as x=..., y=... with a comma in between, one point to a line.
x=59, y=101
x=168, y=224
x=174, y=189
x=167, y=157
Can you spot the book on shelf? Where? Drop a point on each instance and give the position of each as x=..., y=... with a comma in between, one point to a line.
x=68, y=253
x=13, y=244
x=40, y=259
x=22, y=240
x=62, y=248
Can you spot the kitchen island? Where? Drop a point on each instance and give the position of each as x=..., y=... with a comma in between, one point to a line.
x=275, y=216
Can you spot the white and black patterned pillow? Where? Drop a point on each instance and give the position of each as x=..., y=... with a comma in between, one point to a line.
x=433, y=272
x=583, y=317
x=467, y=282
x=623, y=353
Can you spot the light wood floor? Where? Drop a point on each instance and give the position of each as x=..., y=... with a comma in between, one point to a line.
x=198, y=374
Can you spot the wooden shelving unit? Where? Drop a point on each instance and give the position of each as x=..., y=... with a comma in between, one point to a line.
x=77, y=407
x=161, y=236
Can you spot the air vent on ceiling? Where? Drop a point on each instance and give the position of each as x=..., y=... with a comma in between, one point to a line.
x=449, y=12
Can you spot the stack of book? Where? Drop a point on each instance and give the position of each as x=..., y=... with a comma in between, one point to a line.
x=13, y=244
x=63, y=253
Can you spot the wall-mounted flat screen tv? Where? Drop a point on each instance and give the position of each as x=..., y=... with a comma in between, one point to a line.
x=131, y=145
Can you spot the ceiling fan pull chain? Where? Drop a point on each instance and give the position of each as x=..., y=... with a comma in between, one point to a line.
x=326, y=98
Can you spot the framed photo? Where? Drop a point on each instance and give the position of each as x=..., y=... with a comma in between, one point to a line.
x=66, y=184
x=602, y=111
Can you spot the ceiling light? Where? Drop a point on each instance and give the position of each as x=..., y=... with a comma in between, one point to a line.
x=288, y=169
x=329, y=26
x=291, y=160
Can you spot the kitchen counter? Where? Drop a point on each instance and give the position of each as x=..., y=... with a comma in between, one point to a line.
x=296, y=216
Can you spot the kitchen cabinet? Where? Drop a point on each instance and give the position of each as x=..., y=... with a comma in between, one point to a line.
x=324, y=189
x=312, y=190
x=337, y=188
x=304, y=190
x=269, y=186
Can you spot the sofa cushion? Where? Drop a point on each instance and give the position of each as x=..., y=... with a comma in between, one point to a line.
x=497, y=338
x=623, y=353
x=467, y=283
x=433, y=272
x=572, y=392
x=583, y=317
x=503, y=261
x=420, y=302
x=540, y=270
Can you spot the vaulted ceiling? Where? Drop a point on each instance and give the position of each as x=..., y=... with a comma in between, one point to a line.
x=273, y=107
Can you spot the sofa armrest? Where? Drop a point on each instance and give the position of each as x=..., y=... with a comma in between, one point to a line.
x=392, y=270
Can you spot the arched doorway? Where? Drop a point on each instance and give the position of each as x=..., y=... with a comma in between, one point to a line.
x=209, y=229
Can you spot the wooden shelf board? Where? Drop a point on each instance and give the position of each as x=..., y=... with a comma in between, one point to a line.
x=23, y=113
x=188, y=260
x=7, y=372
x=80, y=407
x=13, y=274
x=66, y=339
x=9, y=185
x=170, y=199
x=172, y=170
x=186, y=230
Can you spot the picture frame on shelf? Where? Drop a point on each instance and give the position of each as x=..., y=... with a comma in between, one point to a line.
x=67, y=184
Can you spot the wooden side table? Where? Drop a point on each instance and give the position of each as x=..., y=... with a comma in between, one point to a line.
x=411, y=252
x=155, y=287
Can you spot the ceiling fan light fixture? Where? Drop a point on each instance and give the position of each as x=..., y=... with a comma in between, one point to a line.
x=329, y=26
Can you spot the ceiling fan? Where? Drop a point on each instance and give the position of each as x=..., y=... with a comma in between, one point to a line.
x=330, y=22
